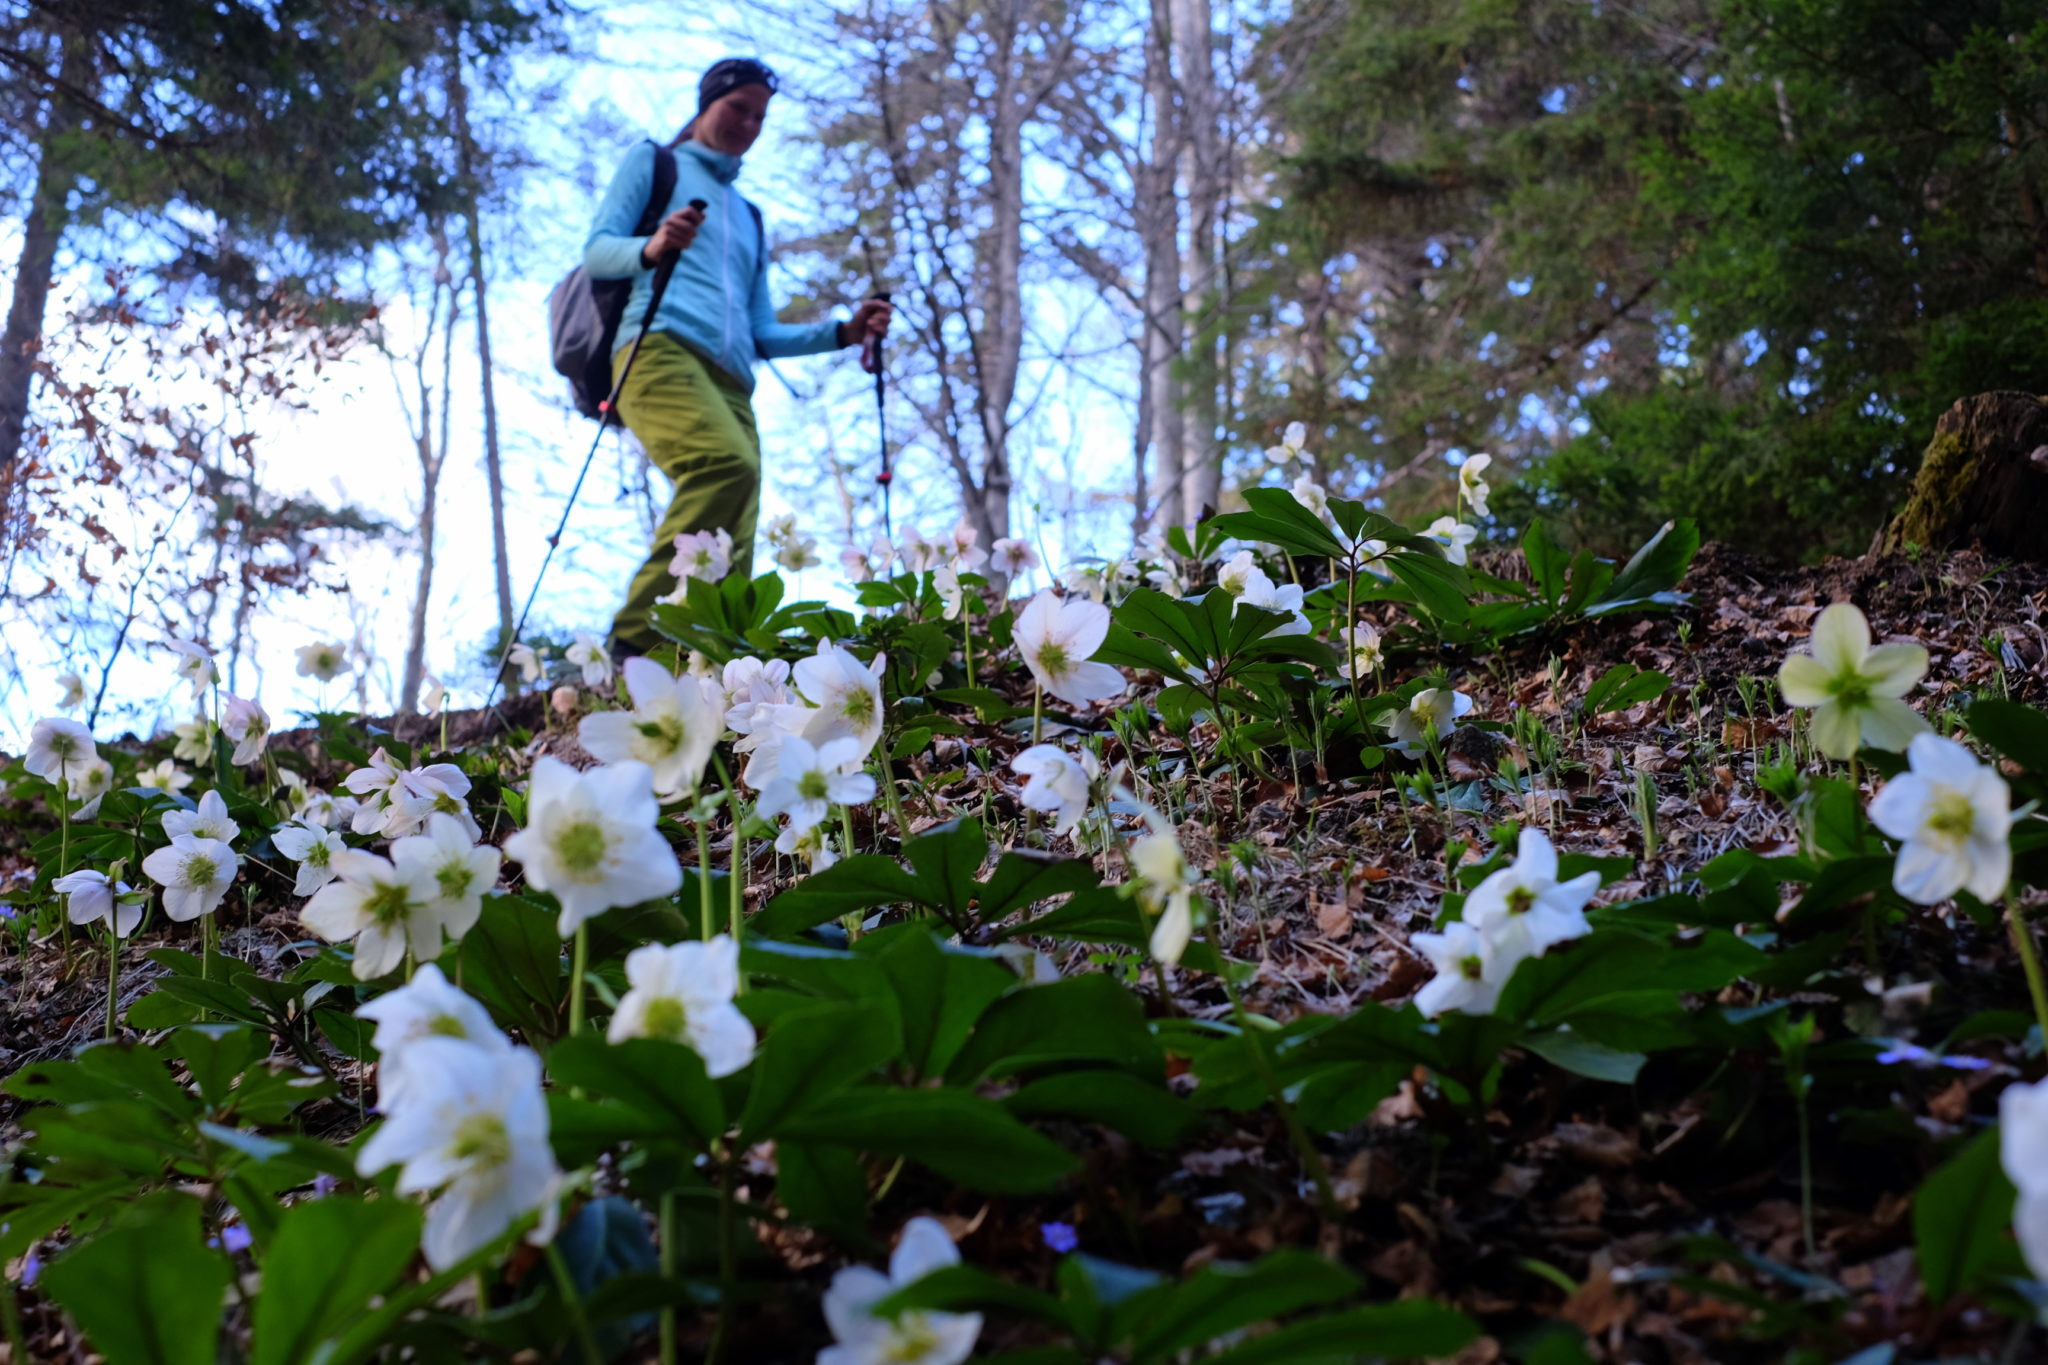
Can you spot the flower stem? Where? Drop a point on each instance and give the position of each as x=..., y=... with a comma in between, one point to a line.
x=1311, y=1159
x=1037, y=714
x=572, y=1303
x=2030, y=960
x=578, y=962
x=728, y=1257
x=704, y=883
x=668, y=1270
x=967, y=637
x=739, y=860
x=113, y=969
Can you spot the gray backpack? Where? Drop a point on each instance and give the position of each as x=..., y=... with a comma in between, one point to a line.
x=584, y=314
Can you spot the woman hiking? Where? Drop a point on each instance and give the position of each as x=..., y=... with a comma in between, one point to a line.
x=688, y=399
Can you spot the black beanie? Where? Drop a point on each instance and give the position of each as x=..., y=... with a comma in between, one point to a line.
x=729, y=75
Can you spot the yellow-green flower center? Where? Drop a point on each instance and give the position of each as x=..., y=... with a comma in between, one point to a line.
x=813, y=786
x=447, y=1026
x=454, y=877
x=914, y=1341
x=859, y=706
x=481, y=1139
x=444, y=804
x=665, y=731
x=1951, y=816
x=1521, y=901
x=666, y=1017
x=1052, y=657
x=200, y=870
x=387, y=904
x=1470, y=967
x=580, y=846
x=317, y=855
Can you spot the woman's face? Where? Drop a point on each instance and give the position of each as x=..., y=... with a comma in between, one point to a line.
x=733, y=120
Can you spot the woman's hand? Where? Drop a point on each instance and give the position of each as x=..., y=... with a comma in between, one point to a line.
x=674, y=235
x=871, y=318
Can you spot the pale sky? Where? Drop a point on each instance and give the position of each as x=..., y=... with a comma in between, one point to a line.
x=354, y=446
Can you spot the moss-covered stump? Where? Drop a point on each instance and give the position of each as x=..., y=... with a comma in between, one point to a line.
x=1984, y=479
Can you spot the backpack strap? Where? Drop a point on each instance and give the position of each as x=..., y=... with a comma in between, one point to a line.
x=663, y=190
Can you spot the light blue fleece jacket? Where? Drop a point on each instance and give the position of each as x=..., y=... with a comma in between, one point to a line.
x=717, y=300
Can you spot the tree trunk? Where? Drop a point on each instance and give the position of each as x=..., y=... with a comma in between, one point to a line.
x=1194, y=48
x=1001, y=344
x=1156, y=215
x=1984, y=479
x=49, y=210
x=494, y=469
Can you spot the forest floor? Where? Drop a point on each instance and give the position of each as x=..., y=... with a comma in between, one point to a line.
x=1664, y=1229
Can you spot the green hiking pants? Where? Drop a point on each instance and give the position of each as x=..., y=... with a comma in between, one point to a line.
x=698, y=429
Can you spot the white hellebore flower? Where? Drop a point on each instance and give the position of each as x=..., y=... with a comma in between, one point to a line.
x=57, y=748
x=194, y=872
x=473, y=1124
x=459, y=869
x=385, y=908
x=671, y=728
x=89, y=784
x=195, y=665
x=1471, y=487
x=1312, y=495
x=2023, y=1151
x=420, y=793
x=1454, y=535
x=797, y=554
x=810, y=844
x=683, y=993
x=1470, y=970
x=1523, y=908
x=209, y=821
x=424, y=1007
x=313, y=849
x=915, y=1337
x=376, y=785
x=846, y=693
x=589, y=654
x=1091, y=580
x=323, y=660
x=1164, y=887
x=1432, y=706
x=1057, y=637
x=1361, y=647
x=946, y=579
x=702, y=554
x=1057, y=782
x=590, y=838
x=247, y=727
x=1953, y=815
x=522, y=657
x=808, y=781
x=1012, y=557
x=433, y=695
x=166, y=777
x=74, y=691
x=1290, y=447
x=195, y=740
x=1855, y=691
x=89, y=896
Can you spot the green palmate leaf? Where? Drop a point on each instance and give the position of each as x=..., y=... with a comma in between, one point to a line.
x=961, y=1137
x=1174, y=623
x=1024, y=876
x=1410, y=1328
x=824, y=1187
x=146, y=1291
x=660, y=1086
x=1621, y=687
x=853, y=884
x=1222, y=1298
x=939, y=995
x=1547, y=562
x=1582, y=1056
x=970, y=1289
x=1441, y=588
x=1127, y=649
x=328, y=1260
x=945, y=858
x=1141, y=1110
x=1102, y=914
x=1961, y=1217
x=809, y=1057
x=2019, y=732
x=1653, y=572
x=1278, y=518
x=1089, y=1018
x=511, y=960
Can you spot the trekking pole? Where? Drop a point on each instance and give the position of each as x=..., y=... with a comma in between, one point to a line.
x=606, y=411
x=871, y=361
